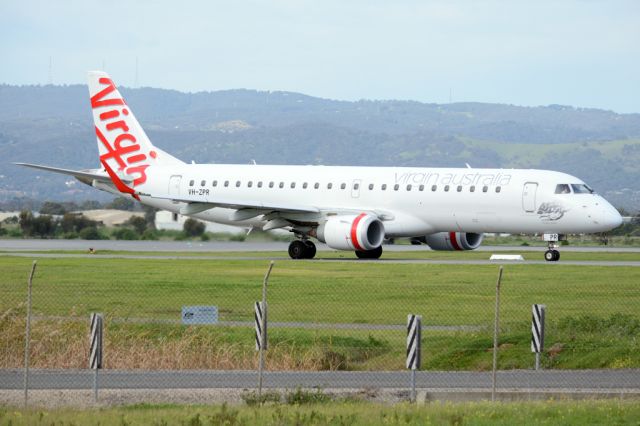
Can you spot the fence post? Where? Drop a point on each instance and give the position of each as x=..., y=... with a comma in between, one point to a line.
x=95, y=350
x=27, y=339
x=414, y=335
x=537, y=331
x=261, y=329
x=496, y=326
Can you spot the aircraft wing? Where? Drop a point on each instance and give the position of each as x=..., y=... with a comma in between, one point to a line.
x=196, y=205
x=80, y=174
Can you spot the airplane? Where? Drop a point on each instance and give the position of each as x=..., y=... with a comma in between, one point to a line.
x=348, y=208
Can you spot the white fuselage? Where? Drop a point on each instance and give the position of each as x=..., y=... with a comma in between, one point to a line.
x=411, y=201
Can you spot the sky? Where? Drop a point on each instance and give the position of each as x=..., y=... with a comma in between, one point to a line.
x=582, y=53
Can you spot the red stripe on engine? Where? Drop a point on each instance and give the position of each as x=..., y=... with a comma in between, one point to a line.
x=354, y=232
x=454, y=241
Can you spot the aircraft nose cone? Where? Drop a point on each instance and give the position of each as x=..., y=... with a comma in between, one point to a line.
x=610, y=217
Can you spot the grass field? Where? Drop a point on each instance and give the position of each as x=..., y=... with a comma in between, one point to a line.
x=593, y=319
x=610, y=412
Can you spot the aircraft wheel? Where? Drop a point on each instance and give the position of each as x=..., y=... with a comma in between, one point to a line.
x=556, y=255
x=549, y=256
x=369, y=254
x=297, y=249
x=310, y=250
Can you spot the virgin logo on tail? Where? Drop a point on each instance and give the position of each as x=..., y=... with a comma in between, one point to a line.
x=121, y=145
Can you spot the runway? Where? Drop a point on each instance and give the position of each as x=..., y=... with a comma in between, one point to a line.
x=208, y=250
x=573, y=380
x=247, y=246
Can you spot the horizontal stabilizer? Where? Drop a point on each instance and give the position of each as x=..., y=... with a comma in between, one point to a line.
x=79, y=174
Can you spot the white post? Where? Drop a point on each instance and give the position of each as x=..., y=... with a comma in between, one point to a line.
x=414, y=334
x=537, y=331
x=27, y=341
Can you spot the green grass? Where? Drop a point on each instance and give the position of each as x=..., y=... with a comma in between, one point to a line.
x=593, y=412
x=592, y=312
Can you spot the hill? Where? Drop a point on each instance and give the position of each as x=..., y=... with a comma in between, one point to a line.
x=52, y=125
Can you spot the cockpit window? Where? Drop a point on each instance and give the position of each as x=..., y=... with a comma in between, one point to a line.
x=580, y=188
x=563, y=188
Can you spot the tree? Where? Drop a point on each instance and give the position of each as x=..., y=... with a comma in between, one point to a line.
x=121, y=203
x=90, y=205
x=26, y=222
x=44, y=226
x=75, y=222
x=90, y=233
x=138, y=223
x=51, y=207
x=150, y=216
x=193, y=228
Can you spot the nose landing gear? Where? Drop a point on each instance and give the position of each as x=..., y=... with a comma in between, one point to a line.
x=552, y=254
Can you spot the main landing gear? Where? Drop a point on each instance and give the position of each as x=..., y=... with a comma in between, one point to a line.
x=552, y=254
x=370, y=254
x=302, y=249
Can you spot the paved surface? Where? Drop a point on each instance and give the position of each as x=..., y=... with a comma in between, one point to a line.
x=213, y=246
x=580, y=380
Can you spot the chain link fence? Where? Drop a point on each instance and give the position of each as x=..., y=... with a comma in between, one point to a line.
x=331, y=323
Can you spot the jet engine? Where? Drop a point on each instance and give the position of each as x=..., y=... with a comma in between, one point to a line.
x=453, y=240
x=352, y=232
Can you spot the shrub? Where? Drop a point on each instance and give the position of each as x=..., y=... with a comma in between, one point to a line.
x=138, y=223
x=193, y=228
x=150, y=234
x=125, y=234
x=90, y=233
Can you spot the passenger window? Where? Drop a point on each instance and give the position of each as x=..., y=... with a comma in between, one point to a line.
x=459, y=188
x=343, y=185
x=446, y=188
x=226, y=183
x=191, y=182
x=498, y=189
x=472, y=188
x=408, y=187
x=260, y=184
x=237, y=184
x=215, y=183
x=384, y=187
x=293, y=185
x=434, y=188
x=356, y=186
x=370, y=187
x=421, y=188
x=271, y=184
x=329, y=185
x=304, y=185
x=203, y=183
x=563, y=188
x=281, y=185
x=316, y=185
x=249, y=184
x=396, y=187
x=581, y=189
x=485, y=188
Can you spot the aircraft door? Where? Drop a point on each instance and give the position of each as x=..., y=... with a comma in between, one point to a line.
x=529, y=196
x=174, y=184
x=355, y=188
